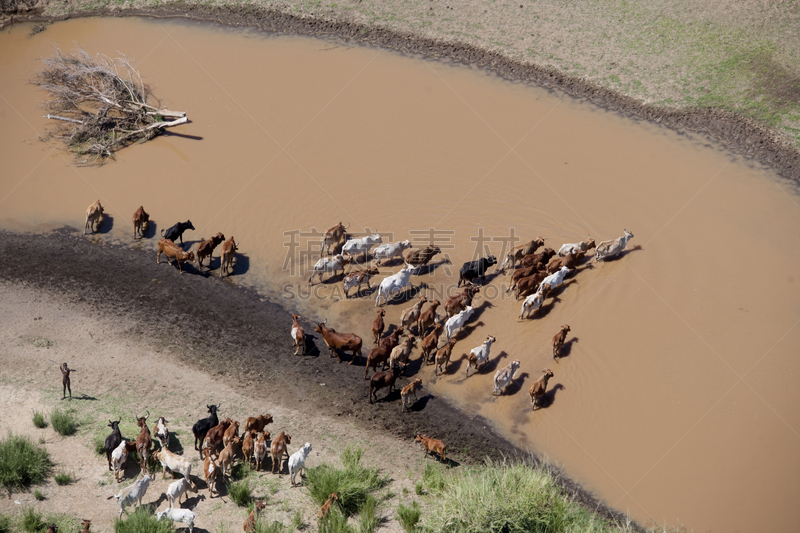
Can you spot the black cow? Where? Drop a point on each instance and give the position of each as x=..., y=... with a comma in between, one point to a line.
x=176, y=232
x=475, y=269
x=201, y=427
x=113, y=440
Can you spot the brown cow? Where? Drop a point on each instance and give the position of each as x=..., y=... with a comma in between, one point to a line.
x=250, y=523
x=431, y=341
x=443, y=356
x=326, y=507
x=410, y=316
x=347, y=342
x=421, y=257
x=232, y=431
x=210, y=471
x=257, y=423
x=524, y=273
x=229, y=249
x=558, y=341
x=143, y=441
x=141, y=220
x=249, y=445
x=527, y=285
x=518, y=252
x=94, y=217
x=380, y=354
x=407, y=391
x=378, y=325
x=216, y=434
x=228, y=454
x=432, y=445
x=571, y=260
x=206, y=249
x=298, y=335
x=539, y=257
x=173, y=251
x=458, y=302
x=333, y=237
x=539, y=387
x=86, y=525
x=427, y=318
x=278, y=449
x=383, y=379
x=261, y=449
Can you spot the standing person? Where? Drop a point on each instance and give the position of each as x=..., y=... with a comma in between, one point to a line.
x=65, y=371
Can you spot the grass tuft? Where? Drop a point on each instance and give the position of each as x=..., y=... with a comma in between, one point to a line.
x=22, y=463
x=367, y=516
x=63, y=478
x=141, y=521
x=32, y=520
x=39, y=420
x=99, y=443
x=240, y=471
x=241, y=492
x=408, y=516
x=419, y=488
x=39, y=495
x=353, y=483
x=5, y=524
x=64, y=422
x=335, y=522
x=274, y=527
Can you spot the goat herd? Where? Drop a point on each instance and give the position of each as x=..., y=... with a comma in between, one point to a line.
x=536, y=275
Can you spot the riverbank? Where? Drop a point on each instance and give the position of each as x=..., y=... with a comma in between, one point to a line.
x=726, y=73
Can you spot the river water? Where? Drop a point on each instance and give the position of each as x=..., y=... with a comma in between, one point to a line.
x=677, y=399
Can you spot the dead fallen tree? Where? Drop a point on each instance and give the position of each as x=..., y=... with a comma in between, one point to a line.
x=100, y=104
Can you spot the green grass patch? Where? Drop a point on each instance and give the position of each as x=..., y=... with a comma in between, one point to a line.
x=64, y=421
x=39, y=495
x=419, y=488
x=63, y=478
x=38, y=420
x=368, y=518
x=241, y=492
x=353, y=483
x=408, y=516
x=141, y=521
x=240, y=471
x=514, y=497
x=22, y=463
x=99, y=444
x=335, y=522
x=273, y=527
x=5, y=523
x=32, y=520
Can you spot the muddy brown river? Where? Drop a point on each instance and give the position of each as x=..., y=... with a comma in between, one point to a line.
x=677, y=398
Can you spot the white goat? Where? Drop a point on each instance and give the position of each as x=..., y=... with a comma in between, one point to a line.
x=328, y=264
x=132, y=494
x=611, y=248
x=177, y=489
x=479, y=354
x=504, y=376
x=174, y=462
x=178, y=515
x=357, y=246
x=391, y=250
x=457, y=321
x=394, y=284
x=162, y=433
x=297, y=461
x=118, y=459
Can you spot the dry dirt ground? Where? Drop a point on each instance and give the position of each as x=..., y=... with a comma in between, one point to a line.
x=120, y=374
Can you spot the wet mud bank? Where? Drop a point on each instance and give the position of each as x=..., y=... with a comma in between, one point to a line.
x=739, y=134
x=243, y=338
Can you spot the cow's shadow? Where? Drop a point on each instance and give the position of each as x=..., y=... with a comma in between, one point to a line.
x=455, y=364
x=241, y=264
x=546, y=307
x=311, y=346
x=467, y=330
x=492, y=364
x=566, y=349
x=363, y=292
x=622, y=254
x=420, y=404
x=151, y=232
x=406, y=295
x=479, y=310
x=152, y=507
x=516, y=384
x=194, y=501
x=549, y=397
x=174, y=444
x=430, y=268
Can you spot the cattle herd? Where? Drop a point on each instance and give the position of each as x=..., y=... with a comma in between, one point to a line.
x=537, y=273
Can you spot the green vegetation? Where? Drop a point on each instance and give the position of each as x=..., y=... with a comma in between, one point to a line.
x=368, y=519
x=32, y=520
x=353, y=483
x=39, y=495
x=64, y=421
x=99, y=445
x=63, y=478
x=514, y=497
x=240, y=492
x=39, y=420
x=274, y=527
x=240, y=470
x=141, y=521
x=408, y=516
x=22, y=463
x=5, y=524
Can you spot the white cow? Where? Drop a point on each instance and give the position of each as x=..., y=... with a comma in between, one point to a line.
x=611, y=248
x=357, y=246
x=395, y=284
x=583, y=246
x=457, y=321
x=504, y=376
x=177, y=489
x=391, y=250
x=178, y=515
x=555, y=280
x=161, y=431
x=533, y=302
x=297, y=461
x=480, y=354
x=132, y=494
x=329, y=264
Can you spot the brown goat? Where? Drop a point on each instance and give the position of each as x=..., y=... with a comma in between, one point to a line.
x=326, y=507
x=432, y=445
x=298, y=335
x=143, y=441
x=558, y=341
x=250, y=523
x=86, y=525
